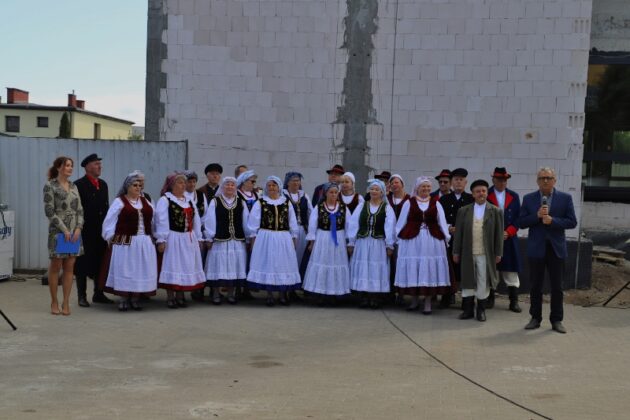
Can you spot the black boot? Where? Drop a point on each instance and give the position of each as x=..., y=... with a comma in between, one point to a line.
x=468, y=305
x=481, y=310
x=490, y=300
x=513, y=293
x=447, y=300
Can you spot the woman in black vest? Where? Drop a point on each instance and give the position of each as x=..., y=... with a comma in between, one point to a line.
x=273, y=230
x=301, y=204
x=179, y=239
x=371, y=243
x=225, y=232
x=422, y=232
x=328, y=274
x=127, y=230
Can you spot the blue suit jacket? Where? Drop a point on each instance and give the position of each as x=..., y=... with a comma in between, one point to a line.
x=563, y=215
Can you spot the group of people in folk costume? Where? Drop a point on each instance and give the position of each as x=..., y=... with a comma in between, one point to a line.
x=229, y=235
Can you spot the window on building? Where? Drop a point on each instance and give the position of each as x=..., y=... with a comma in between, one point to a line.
x=97, y=131
x=606, y=166
x=42, y=122
x=12, y=124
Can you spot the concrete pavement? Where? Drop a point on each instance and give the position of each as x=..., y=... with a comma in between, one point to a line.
x=251, y=361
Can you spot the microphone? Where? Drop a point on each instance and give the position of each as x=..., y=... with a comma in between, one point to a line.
x=544, y=200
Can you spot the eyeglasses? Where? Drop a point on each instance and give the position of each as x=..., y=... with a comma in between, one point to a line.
x=546, y=178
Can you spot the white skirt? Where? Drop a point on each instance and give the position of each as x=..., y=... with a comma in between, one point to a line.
x=369, y=266
x=273, y=264
x=301, y=245
x=227, y=260
x=182, y=267
x=328, y=272
x=422, y=262
x=133, y=267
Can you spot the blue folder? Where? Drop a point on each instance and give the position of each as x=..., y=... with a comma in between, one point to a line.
x=67, y=247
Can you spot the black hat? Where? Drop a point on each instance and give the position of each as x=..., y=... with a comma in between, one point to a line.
x=444, y=174
x=337, y=169
x=459, y=172
x=383, y=176
x=478, y=183
x=501, y=173
x=213, y=167
x=89, y=159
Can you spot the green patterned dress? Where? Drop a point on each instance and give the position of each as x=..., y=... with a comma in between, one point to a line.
x=64, y=212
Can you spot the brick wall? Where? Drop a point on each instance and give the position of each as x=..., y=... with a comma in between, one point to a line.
x=473, y=83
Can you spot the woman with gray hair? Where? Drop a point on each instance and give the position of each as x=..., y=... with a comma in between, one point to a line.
x=371, y=242
x=127, y=228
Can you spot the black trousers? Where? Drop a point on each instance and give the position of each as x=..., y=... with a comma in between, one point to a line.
x=555, y=268
x=82, y=285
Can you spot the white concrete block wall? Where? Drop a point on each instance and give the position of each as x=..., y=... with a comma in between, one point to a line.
x=477, y=83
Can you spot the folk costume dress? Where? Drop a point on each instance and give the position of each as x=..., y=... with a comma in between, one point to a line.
x=226, y=226
x=372, y=231
x=177, y=224
x=328, y=272
x=302, y=207
x=133, y=264
x=422, y=266
x=273, y=265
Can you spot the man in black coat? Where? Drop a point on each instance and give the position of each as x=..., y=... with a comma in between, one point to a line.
x=95, y=201
x=333, y=176
x=451, y=203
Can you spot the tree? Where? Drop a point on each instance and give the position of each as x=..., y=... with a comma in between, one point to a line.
x=64, y=126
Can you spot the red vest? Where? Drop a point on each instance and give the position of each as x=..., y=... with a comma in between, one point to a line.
x=128, y=219
x=417, y=217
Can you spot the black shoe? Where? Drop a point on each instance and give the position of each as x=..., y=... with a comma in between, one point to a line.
x=101, y=298
x=532, y=324
x=216, y=300
x=231, y=300
x=446, y=301
x=481, y=310
x=83, y=302
x=172, y=304
x=412, y=307
x=468, y=306
x=284, y=301
x=182, y=303
x=122, y=306
x=364, y=303
x=558, y=327
x=513, y=293
x=197, y=295
x=375, y=304
x=246, y=294
x=294, y=297
x=270, y=302
x=490, y=300
x=135, y=305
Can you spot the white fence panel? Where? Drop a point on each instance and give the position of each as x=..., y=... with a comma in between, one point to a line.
x=24, y=163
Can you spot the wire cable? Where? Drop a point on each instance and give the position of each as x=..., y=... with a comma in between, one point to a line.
x=461, y=375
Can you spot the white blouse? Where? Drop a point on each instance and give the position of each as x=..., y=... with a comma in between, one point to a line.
x=347, y=199
x=404, y=212
x=253, y=222
x=390, y=224
x=111, y=219
x=312, y=221
x=161, y=228
x=210, y=218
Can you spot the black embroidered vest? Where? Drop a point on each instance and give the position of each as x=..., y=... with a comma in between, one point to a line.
x=179, y=219
x=229, y=220
x=323, y=217
x=372, y=224
x=200, y=207
x=274, y=217
x=301, y=210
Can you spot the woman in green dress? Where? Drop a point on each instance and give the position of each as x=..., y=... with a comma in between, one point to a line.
x=63, y=209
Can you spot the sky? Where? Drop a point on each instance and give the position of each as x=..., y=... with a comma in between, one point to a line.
x=96, y=48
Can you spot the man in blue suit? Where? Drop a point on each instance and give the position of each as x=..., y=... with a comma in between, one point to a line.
x=547, y=213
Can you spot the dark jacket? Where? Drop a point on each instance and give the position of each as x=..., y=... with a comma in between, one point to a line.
x=563, y=214
x=451, y=206
x=318, y=195
x=95, y=205
x=511, y=253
